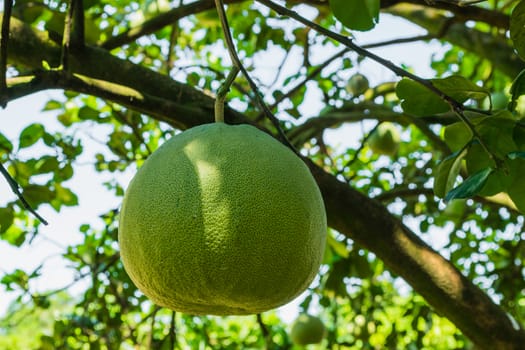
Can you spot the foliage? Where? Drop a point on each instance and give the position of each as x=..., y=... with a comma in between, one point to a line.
x=457, y=177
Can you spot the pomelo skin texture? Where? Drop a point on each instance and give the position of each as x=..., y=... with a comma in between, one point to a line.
x=307, y=329
x=222, y=220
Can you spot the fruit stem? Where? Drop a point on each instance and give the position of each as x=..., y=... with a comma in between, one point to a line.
x=222, y=92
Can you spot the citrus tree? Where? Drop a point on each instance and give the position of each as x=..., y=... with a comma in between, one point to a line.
x=403, y=159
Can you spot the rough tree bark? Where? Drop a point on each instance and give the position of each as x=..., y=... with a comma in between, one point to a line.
x=360, y=218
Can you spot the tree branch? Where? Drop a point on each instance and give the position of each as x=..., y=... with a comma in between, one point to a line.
x=315, y=72
x=4, y=39
x=370, y=225
x=238, y=65
x=15, y=187
x=358, y=112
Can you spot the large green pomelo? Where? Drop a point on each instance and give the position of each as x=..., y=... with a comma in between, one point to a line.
x=222, y=220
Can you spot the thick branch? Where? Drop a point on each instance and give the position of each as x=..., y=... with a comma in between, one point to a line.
x=356, y=113
x=4, y=39
x=358, y=217
x=369, y=224
x=182, y=104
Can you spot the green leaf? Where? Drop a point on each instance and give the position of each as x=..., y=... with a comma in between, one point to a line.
x=359, y=15
x=447, y=173
x=477, y=159
x=418, y=100
x=38, y=194
x=516, y=155
x=7, y=217
x=497, y=134
x=471, y=186
x=338, y=247
x=519, y=135
x=31, y=134
x=18, y=277
x=517, y=28
x=460, y=88
x=516, y=90
x=46, y=164
x=88, y=113
x=64, y=173
x=64, y=196
x=5, y=144
x=14, y=235
x=52, y=105
x=457, y=135
x=516, y=190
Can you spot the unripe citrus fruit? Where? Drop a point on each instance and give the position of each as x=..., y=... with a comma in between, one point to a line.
x=307, y=329
x=222, y=220
x=384, y=139
x=357, y=84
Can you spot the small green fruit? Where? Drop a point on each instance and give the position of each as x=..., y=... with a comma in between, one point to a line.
x=385, y=139
x=357, y=84
x=307, y=329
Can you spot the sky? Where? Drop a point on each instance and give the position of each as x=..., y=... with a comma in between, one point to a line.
x=94, y=199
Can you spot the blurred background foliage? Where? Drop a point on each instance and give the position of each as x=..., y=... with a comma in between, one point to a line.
x=315, y=95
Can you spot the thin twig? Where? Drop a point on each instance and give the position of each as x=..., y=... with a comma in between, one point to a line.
x=15, y=187
x=174, y=34
x=66, y=38
x=78, y=34
x=279, y=71
x=152, y=327
x=265, y=332
x=454, y=105
x=73, y=31
x=352, y=160
x=221, y=94
x=237, y=62
x=4, y=38
x=341, y=53
x=173, y=330
x=399, y=41
x=124, y=119
x=309, y=77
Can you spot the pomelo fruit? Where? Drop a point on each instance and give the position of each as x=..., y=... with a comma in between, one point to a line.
x=385, y=139
x=222, y=220
x=357, y=84
x=307, y=329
